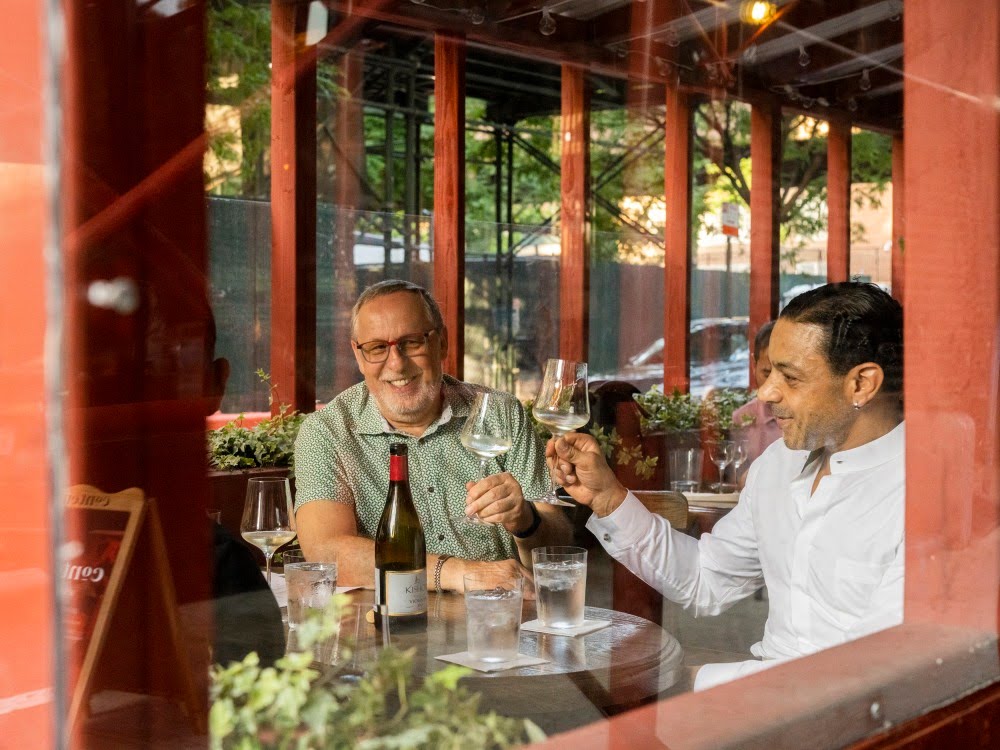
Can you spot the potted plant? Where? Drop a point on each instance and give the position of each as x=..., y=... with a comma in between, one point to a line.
x=239, y=450
x=292, y=705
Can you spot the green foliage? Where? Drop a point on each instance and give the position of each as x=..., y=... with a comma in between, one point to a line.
x=664, y=413
x=292, y=705
x=614, y=450
x=268, y=443
x=682, y=411
x=718, y=406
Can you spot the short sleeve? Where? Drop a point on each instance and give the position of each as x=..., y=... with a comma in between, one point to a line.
x=318, y=475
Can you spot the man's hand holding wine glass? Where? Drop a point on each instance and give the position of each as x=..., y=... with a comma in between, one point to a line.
x=578, y=464
x=498, y=499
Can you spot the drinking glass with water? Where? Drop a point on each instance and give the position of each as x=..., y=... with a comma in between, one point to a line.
x=560, y=585
x=493, y=616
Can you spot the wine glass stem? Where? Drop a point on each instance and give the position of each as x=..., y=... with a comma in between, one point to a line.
x=482, y=467
x=267, y=558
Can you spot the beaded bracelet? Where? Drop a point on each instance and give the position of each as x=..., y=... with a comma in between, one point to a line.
x=437, y=572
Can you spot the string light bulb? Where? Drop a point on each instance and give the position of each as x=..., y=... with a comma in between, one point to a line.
x=757, y=12
x=804, y=58
x=673, y=38
x=865, y=83
x=547, y=24
x=477, y=14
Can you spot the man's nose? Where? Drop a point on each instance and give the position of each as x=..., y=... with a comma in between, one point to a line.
x=768, y=391
x=394, y=351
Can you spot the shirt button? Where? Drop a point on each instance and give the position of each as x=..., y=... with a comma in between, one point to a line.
x=440, y=537
x=607, y=537
x=430, y=490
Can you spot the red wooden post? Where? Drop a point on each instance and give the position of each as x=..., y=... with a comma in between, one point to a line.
x=838, y=202
x=26, y=557
x=765, y=221
x=677, y=259
x=574, y=266
x=952, y=183
x=348, y=168
x=898, y=219
x=293, y=209
x=449, y=193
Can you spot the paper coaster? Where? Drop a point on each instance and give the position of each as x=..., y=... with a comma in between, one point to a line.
x=467, y=660
x=588, y=626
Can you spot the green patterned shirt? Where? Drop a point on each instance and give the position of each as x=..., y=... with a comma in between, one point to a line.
x=342, y=455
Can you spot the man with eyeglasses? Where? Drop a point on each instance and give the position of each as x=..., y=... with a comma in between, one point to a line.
x=342, y=455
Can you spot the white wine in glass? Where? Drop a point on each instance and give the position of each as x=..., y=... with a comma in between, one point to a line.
x=562, y=405
x=268, y=521
x=484, y=438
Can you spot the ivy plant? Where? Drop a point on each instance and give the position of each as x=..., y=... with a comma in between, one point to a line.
x=293, y=705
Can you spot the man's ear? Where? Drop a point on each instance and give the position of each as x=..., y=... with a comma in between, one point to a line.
x=218, y=378
x=865, y=383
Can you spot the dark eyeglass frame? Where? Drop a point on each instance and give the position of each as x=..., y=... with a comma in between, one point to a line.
x=415, y=342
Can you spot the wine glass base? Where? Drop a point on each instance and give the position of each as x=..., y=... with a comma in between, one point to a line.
x=465, y=520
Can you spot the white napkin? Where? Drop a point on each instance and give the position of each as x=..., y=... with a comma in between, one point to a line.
x=280, y=589
x=467, y=660
x=587, y=626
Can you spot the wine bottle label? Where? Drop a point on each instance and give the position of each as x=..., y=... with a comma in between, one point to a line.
x=398, y=470
x=405, y=591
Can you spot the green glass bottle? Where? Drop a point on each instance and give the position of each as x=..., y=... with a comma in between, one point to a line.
x=400, y=553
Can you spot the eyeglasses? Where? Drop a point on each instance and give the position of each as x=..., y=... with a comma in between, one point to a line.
x=411, y=345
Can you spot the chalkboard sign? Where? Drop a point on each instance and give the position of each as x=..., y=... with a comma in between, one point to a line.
x=102, y=533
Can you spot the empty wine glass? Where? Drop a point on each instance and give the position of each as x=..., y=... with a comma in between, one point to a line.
x=484, y=436
x=740, y=454
x=562, y=405
x=268, y=521
x=721, y=452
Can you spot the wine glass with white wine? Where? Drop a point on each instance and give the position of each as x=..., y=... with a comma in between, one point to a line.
x=485, y=437
x=268, y=521
x=562, y=405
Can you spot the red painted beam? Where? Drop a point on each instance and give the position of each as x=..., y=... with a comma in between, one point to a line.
x=838, y=202
x=765, y=206
x=898, y=219
x=449, y=193
x=349, y=165
x=293, y=209
x=677, y=259
x=574, y=266
x=952, y=184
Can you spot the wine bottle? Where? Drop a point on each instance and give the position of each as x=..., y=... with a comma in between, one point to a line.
x=400, y=553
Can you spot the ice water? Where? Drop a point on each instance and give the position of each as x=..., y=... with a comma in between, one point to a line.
x=560, y=587
x=493, y=624
x=310, y=588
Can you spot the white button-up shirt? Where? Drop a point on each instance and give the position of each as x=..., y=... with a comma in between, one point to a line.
x=832, y=559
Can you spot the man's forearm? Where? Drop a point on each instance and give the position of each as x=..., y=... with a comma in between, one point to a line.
x=554, y=530
x=355, y=556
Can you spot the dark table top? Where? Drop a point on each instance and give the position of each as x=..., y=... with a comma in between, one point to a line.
x=629, y=663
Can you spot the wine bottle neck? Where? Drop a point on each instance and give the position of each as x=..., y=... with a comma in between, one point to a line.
x=398, y=469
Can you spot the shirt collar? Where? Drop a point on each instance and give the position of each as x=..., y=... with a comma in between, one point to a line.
x=874, y=453
x=455, y=399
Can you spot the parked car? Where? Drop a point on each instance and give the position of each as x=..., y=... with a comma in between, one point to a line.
x=720, y=358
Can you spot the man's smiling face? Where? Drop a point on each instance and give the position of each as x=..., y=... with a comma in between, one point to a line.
x=809, y=400
x=406, y=389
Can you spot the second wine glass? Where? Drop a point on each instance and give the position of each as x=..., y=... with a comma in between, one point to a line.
x=721, y=452
x=484, y=436
x=562, y=405
x=268, y=521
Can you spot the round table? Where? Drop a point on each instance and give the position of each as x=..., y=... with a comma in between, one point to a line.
x=631, y=662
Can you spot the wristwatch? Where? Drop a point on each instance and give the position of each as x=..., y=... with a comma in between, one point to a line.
x=536, y=521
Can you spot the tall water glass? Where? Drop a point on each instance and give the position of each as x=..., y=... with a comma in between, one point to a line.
x=311, y=585
x=560, y=585
x=493, y=616
x=685, y=469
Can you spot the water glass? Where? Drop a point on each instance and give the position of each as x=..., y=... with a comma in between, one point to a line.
x=311, y=585
x=560, y=585
x=685, y=469
x=493, y=616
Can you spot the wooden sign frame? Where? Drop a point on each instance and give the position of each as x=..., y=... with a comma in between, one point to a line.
x=135, y=517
